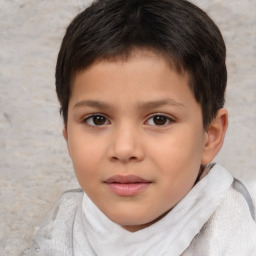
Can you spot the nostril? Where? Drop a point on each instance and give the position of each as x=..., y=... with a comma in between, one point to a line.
x=114, y=158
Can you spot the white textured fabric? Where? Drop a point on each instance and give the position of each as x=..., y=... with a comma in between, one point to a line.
x=169, y=236
x=213, y=219
x=231, y=231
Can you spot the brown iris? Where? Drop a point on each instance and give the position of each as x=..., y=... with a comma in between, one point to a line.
x=160, y=120
x=99, y=120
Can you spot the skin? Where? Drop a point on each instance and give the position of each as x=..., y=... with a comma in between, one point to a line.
x=148, y=124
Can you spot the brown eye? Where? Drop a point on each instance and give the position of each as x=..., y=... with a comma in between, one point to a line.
x=99, y=120
x=159, y=120
x=96, y=120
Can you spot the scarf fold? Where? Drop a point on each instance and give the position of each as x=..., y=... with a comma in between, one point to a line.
x=169, y=236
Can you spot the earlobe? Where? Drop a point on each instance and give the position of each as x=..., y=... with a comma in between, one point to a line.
x=215, y=135
x=65, y=133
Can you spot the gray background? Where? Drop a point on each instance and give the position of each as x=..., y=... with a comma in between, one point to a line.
x=34, y=165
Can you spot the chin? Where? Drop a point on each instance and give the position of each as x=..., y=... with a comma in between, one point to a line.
x=133, y=222
x=129, y=218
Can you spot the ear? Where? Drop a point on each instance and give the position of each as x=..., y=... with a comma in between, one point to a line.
x=215, y=135
x=65, y=135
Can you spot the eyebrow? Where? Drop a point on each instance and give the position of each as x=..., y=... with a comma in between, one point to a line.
x=92, y=104
x=141, y=106
x=159, y=103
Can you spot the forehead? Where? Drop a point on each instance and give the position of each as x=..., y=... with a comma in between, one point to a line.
x=139, y=63
x=143, y=80
x=135, y=53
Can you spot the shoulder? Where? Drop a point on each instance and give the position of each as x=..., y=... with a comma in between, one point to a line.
x=70, y=199
x=64, y=209
x=251, y=186
x=54, y=236
x=231, y=230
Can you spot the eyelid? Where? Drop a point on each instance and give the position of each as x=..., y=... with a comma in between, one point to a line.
x=170, y=119
x=87, y=117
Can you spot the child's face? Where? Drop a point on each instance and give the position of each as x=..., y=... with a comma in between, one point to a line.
x=135, y=135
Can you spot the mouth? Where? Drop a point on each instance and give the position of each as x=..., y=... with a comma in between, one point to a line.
x=130, y=185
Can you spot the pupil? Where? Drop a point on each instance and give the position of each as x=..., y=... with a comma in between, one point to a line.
x=99, y=120
x=160, y=120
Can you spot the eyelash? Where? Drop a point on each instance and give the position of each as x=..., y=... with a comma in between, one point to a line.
x=161, y=117
x=167, y=119
x=91, y=117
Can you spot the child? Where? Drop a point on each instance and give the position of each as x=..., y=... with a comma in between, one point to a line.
x=141, y=85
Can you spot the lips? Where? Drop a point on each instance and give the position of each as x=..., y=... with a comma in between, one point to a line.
x=130, y=185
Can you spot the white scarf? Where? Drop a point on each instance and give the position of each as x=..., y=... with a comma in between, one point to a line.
x=169, y=236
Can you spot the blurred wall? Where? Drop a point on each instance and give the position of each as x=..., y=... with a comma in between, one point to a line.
x=34, y=165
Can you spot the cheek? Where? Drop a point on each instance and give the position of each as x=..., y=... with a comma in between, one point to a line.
x=178, y=156
x=81, y=145
x=85, y=156
x=179, y=147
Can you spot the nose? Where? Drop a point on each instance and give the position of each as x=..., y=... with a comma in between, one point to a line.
x=126, y=145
